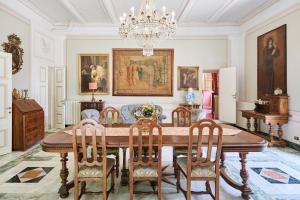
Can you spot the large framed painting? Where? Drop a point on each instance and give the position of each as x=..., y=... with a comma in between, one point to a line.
x=188, y=77
x=93, y=68
x=271, y=72
x=138, y=75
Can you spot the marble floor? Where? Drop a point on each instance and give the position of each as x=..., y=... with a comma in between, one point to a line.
x=34, y=174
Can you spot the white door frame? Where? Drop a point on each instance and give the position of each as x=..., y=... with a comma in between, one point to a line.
x=5, y=103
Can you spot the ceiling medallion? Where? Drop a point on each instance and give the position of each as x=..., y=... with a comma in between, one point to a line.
x=148, y=27
x=13, y=47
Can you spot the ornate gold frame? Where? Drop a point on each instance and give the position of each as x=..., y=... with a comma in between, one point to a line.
x=13, y=47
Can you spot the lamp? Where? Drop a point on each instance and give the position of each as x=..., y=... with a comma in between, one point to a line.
x=93, y=87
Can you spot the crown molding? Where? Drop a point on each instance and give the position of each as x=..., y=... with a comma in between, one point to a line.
x=274, y=12
x=69, y=6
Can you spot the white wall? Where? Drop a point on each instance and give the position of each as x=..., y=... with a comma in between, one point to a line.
x=42, y=49
x=205, y=53
x=9, y=25
x=293, y=69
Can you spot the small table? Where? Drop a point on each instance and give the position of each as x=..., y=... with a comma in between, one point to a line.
x=270, y=120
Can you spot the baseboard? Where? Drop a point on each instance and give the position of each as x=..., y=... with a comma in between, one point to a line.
x=289, y=143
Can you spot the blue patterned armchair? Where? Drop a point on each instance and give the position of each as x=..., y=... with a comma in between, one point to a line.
x=128, y=118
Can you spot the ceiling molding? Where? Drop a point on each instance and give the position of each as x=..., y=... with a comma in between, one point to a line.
x=73, y=11
x=220, y=12
x=186, y=9
x=13, y=13
x=271, y=14
x=262, y=8
x=108, y=5
x=37, y=11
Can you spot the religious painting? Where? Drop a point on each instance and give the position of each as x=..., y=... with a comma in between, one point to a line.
x=187, y=77
x=271, y=72
x=93, y=68
x=138, y=75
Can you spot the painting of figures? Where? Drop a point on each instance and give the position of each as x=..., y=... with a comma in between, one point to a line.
x=93, y=68
x=271, y=67
x=138, y=75
x=188, y=77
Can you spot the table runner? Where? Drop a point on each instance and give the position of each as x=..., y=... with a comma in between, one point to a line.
x=180, y=131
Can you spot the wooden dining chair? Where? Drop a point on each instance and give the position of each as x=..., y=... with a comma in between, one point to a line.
x=181, y=117
x=201, y=166
x=145, y=134
x=111, y=116
x=92, y=168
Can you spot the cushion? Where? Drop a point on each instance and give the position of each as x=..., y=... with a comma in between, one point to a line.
x=184, y=150
x=197, y=171
x=145, y=171
x=90, y=114
x=95, y=171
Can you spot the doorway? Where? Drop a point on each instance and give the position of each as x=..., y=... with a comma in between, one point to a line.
x=210, y=94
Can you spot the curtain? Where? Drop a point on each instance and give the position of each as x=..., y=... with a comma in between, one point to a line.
x=214, y=76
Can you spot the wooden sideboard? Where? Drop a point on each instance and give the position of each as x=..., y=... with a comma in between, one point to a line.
x=98, y=105
x=28, y=123
x=190, y=106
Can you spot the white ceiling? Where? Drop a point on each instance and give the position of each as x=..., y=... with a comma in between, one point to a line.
x=188, y=12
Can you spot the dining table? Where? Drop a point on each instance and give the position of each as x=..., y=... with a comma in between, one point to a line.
x=234, y=140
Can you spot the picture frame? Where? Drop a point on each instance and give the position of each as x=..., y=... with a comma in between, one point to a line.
x=188, y=76
x=138, y=75
x=271, y=62
x=93, y=68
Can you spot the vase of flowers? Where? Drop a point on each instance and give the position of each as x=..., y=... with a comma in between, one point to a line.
x=146, y=111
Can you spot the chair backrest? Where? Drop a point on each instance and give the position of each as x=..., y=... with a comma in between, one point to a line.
x=181, y=116
x=198, y=139
x=85, y=136
x=110, y=116
x=145, y=134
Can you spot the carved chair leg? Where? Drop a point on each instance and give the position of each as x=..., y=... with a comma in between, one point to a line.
x=248, y=124
x=246, y=190
x=64, y=172
x=188, y=188
x=178, y=179
x=117, y=164
x=217, y=188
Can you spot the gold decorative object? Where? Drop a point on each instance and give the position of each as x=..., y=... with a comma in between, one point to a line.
x=13, y=47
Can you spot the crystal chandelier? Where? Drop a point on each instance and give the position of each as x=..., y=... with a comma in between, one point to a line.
x=148, y=27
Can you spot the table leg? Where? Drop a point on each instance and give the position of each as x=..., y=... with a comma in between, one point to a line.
x=64, y=172
x=270, y=132
x=255, y=125
x=280, y=132
x=248, y=124
x=243, y=187
x=125, y=172
x=246, y=191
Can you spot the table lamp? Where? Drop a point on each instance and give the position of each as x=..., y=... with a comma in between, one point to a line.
x=93, y=87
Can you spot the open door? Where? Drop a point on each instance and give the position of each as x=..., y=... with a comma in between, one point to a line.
x=60, y=95
x=227, y=95
x=5, y=103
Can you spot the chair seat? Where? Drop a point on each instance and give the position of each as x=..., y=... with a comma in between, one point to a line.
x=95, y=171
x=183, y=150
x=109, y=150
x=145, y=171
x=197, y=171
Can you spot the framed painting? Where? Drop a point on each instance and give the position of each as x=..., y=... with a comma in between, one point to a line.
x=188, y=76
x=93, y=68
x=271, y=66
x=138, y=75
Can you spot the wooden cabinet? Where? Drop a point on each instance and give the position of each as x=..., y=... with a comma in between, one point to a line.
x=98, y=105
x=278, y=104
x=28, y=123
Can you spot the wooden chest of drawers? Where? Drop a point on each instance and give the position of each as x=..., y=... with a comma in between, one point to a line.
x=28, y=123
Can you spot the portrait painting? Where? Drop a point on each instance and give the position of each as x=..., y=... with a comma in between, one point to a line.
x=188, y=77
x=93, y=68
x=271, y=72
x=138, y=75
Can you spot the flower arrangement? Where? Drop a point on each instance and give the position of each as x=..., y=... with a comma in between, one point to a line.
x=146, y=111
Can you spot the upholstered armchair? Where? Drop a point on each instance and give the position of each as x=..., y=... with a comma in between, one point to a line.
x=128, y=118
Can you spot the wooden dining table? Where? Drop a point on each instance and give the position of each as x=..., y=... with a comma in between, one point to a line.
x=242, y=143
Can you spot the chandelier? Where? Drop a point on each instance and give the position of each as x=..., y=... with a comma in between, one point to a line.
x=148, y=27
